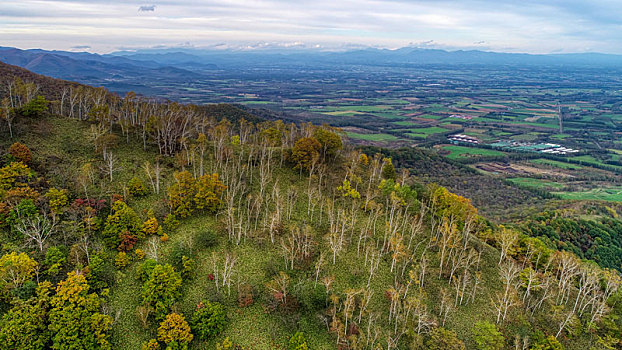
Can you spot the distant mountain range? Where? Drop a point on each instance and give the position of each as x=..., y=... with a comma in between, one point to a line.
x=88, y=67
x=168, y=72
x=411, y=56
x=179, y=63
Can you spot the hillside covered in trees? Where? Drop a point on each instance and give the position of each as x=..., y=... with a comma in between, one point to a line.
x=131, y=223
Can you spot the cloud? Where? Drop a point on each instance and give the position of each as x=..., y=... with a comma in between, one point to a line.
x=147, y=8
x=81, y=47
x=529, y=26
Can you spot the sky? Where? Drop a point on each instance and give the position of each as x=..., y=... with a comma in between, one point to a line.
x=532, y=26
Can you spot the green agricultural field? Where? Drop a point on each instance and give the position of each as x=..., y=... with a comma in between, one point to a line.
x=557, y=164
x=405, y=123
x=391, y=114
x=613, y=194
x=525, y=137
x=458, y=152
x=561, y=136
x=591, y=160
x=253, y=102
x=428, y=131
x=431, y=116
x=365, y=108
x=535, y=183
x=344, y=113
x=372, y=137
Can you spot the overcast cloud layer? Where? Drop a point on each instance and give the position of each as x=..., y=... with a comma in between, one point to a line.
x=535, y=26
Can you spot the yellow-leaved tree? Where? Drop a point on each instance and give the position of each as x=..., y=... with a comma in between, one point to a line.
x=16, y=269
x=175, y=332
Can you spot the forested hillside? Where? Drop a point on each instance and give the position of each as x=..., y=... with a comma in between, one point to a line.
x=130, y=223
x=492, y=196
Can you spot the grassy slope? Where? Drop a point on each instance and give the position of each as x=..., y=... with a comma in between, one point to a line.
x=62, y=145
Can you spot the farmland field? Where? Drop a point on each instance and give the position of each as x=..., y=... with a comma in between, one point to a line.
x=535, y=183
x=607, y=194
x=372, y=137
x=557, y=164
x=456, y=152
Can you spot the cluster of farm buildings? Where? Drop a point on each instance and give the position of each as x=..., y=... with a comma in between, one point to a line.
x=510, y=145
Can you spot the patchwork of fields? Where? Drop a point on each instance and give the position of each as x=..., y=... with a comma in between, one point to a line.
x=424, y=104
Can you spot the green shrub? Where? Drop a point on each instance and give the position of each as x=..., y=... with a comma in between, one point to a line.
x=298, y=342
x=208, y=320
x=123, y=221
x=162, y=290
x=144, y=270
x=179, y=251
x=100, y=271
x=136, y=187
x=121, y=260
x=35, y=107
x=487, y=336
x=55, y=258
x=443, y=339
x=311, y=298
x=25, y=291
x=206, y=239
x=548, y=343
x=170, y=223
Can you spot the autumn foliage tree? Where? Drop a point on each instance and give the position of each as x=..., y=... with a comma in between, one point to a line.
x=181, y=194
x=388, y=170
x=306, y=152
x=20, y=152
x=152, y=344
x=58, y=199
x=15, y=269
x=75, y=318
x=136, y=187
x=122, y=226
x=548, y=343
x=208, y=193
x=25, y=325
x=443, y=339
x=451, y=205
x=15, y=174
x=298, y=342
x=175, y=332
x=329, y=140
x=188, y=194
